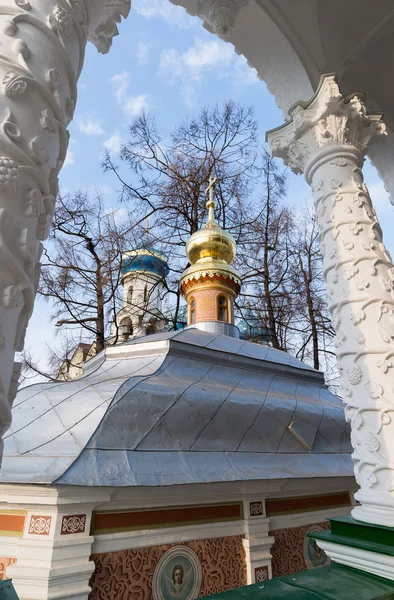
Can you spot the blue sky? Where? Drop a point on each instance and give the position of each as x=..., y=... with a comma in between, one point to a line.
x=166, y=63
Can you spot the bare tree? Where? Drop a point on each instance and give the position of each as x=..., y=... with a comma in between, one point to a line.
x=264, y=258
x=163, y=181
x=81, y=277
x=168, y=175
x=314, y=325
x=81, y=269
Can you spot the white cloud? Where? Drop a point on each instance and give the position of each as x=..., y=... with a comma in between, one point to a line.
x=143, y=51
x=379, y=195
x=135, y=105
x=243, y=74
x=113, y=143
x=121, y=82
x=69, y=160
x=105, y=189
x=205, y=57
x=131, y=105
x=70, y=156
x=88, y=125
x=175, y=15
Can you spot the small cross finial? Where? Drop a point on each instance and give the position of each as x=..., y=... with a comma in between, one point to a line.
x=211, y=204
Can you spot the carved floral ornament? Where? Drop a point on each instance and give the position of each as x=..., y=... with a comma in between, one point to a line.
x=328, y=119
x=220, y=16
x=29, y=166
x=25, y=4
x=326, y=139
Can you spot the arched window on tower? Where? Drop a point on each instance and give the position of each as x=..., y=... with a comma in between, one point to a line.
x=130, y=295
x=145, y=293
x=222, y=308
x=192, y=310
x=125, y=329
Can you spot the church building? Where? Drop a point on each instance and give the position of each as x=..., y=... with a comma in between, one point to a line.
x=180, y=464
x=143, y=274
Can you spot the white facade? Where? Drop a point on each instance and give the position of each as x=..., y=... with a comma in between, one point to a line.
x=56, y=562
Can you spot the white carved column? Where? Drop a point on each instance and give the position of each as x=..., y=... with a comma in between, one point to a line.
x=326, y=140
x=41, y=56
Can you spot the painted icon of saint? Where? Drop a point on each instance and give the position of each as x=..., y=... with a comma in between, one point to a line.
x=177, y=585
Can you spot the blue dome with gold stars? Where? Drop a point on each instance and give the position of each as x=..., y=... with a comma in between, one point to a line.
x=145, y=259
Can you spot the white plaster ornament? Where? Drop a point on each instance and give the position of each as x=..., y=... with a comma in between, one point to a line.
x=220, y=16
x=326, y=140
x=43, y=46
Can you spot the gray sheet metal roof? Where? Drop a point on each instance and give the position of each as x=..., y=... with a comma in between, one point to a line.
x=180, y=407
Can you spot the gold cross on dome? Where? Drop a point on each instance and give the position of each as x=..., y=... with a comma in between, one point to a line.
x=210, y=189
x=211, y=202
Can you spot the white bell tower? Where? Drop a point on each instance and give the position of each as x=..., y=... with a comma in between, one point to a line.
x=143, y=277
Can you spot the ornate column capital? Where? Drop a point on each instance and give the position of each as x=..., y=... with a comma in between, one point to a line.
x=105, y=14
x=327, y=121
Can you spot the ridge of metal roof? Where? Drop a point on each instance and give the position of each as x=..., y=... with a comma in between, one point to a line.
x=183, y=407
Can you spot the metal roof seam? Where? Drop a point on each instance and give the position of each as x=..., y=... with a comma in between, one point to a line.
x=179, y=395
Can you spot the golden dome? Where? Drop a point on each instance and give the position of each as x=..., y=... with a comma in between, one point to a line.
x=211, y=250
x=211, y=243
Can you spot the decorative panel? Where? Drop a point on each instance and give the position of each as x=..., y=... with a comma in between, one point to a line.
x=299, y=504
x=40, y=525
x=294, y=552
x=12, y=523
x=4, y=564
x=129, y=573
x=107, y=522
x=256, y=508
x=73, y=524
x=261, y=574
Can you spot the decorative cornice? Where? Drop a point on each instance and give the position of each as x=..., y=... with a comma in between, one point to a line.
x=328, y=120
x=211, y=274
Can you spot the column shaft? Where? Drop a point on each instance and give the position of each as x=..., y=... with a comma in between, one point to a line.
x=358, y=274
x=326, y=139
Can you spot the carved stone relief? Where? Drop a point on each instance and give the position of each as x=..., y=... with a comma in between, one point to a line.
x=292, y=551
x=130, y=572
x=326, y=139
x=220, y=16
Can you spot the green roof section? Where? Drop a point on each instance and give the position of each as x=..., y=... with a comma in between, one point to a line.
x=334, y=582
x=357, y=534
x=7, y=590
